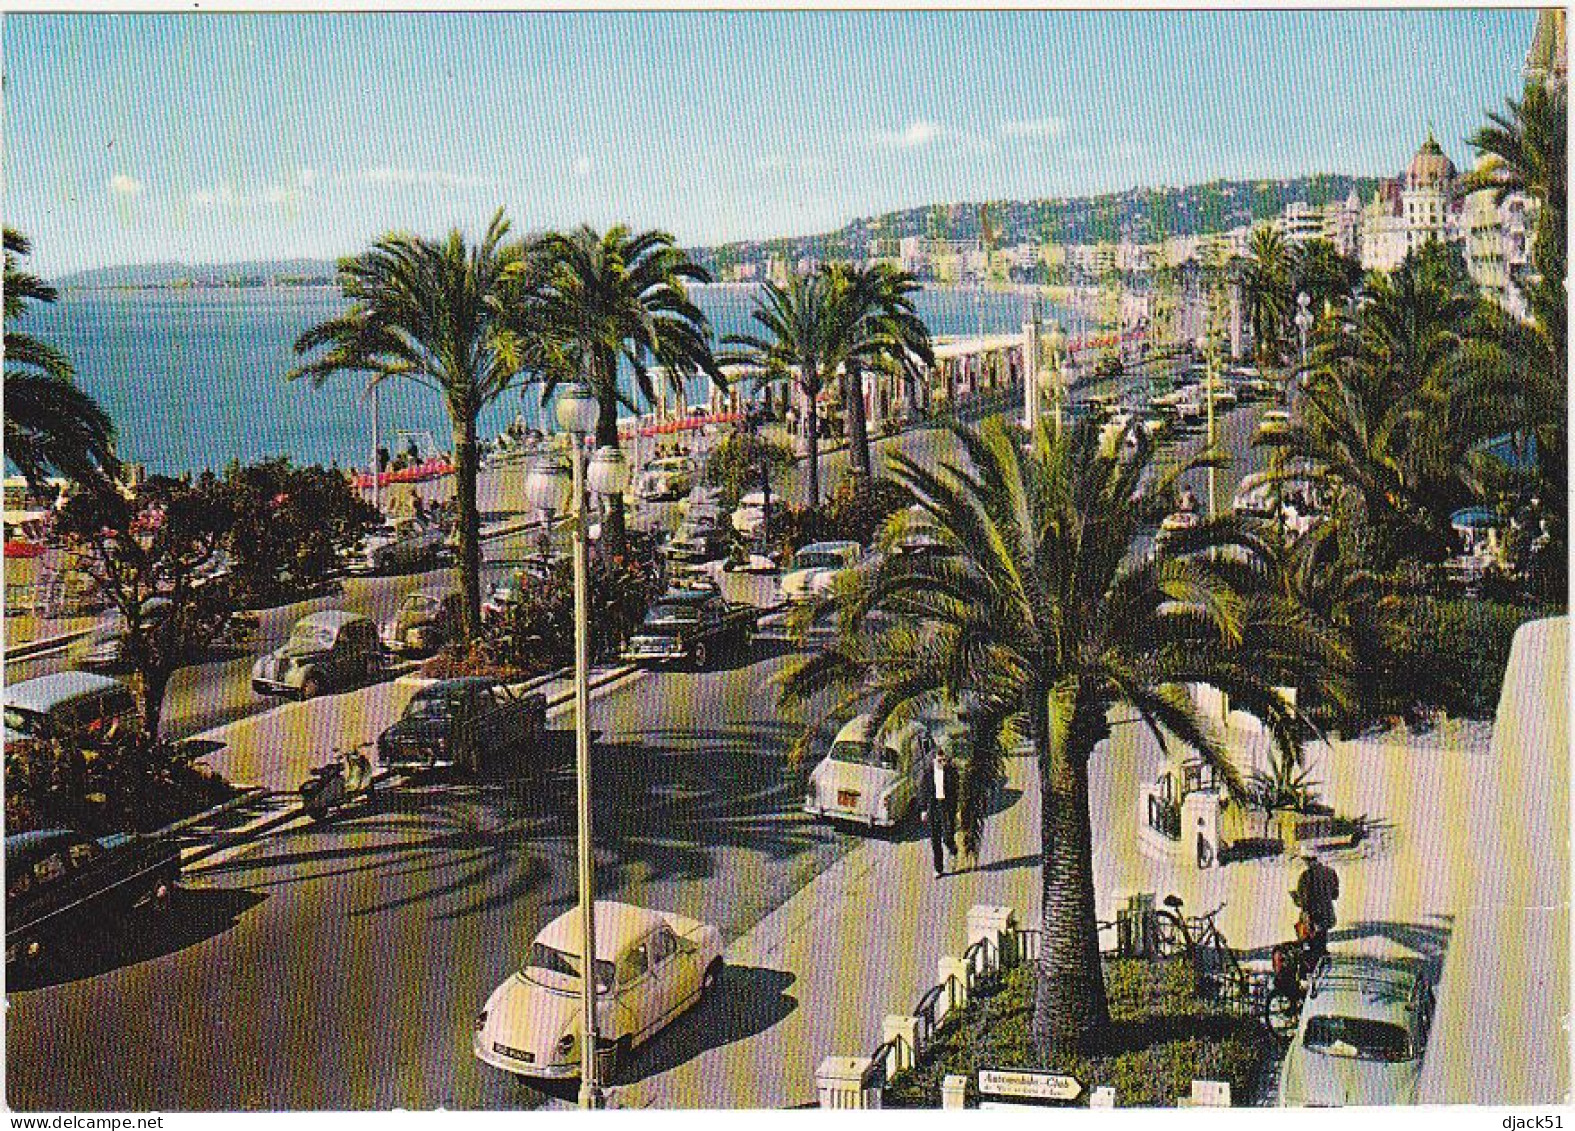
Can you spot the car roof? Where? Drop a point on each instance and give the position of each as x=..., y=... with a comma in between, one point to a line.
x=685, y=597
x=830, y=547
x=618, y=927
x=1362, y=987
x=22, y=850
x=331, y=618
x=43, y=693
x=458, y=683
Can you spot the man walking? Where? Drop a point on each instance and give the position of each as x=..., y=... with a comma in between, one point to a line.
x=1315, y=893
x=940, y=802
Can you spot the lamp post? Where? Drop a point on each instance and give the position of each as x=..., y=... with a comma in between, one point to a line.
x=607, y=475
x=1304, y=321
x=1055, y=343
x=1206, y=348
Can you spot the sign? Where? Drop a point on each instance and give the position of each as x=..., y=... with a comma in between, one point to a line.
x=1029, y=1085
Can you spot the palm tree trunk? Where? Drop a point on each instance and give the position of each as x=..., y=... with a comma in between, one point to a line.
x=812, y=423
x=615, y=526
x=154, y=678
x=858, y=426
x=1069, y=992
x=466, y=466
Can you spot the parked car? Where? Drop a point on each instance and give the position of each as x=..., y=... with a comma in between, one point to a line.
x=427, y=620
x=749, y=518
x=396, y=546
x=108, y=652
x=689, y=626
x=60, y=883
x=67, y=705
x=1361, y=1036
x=326, y=651
x=468, y=722
x=873, y=780
x=816, y=568
x=670, y=477
x=651, y=966
x=1273, y=422
x=695, y=543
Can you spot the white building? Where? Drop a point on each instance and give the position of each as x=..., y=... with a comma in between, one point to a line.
x=1300, y=223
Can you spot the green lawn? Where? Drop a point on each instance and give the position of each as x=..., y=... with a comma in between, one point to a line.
x=1162, y=1037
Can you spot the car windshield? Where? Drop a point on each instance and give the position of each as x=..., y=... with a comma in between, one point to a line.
x=555, y=969
x=432, y=706
x=21, y=721
x=859, y=753
x=683, y=614
x=1358, y=1037
x=817, y=559
x=310, y=638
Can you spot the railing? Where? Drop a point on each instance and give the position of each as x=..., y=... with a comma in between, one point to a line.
x=1164, y=817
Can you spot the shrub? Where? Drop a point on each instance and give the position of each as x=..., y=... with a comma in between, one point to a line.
x=1161, y=1038
x=858, y=508
x=733, y=467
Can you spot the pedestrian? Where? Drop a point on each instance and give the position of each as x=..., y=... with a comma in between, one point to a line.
x=1316, y=890
x=940, y=801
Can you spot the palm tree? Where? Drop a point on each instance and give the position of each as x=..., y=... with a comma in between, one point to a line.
x=1037, y=617
x=1267, y=283
x=606, y=297
x=50, y=424
x=426, y=311
x=882, y=332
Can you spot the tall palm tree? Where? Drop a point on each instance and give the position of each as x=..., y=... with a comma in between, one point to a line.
x=426, y=311
x=1038, y=616
x=611, y=297
x=50, y=424
x=1267, y=284
x=881, y=332
x=799, y=343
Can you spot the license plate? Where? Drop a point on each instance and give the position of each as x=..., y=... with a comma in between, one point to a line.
x=847, y=798
x=524, y=1057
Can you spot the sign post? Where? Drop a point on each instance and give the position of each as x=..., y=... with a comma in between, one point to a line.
x=1028, y=1087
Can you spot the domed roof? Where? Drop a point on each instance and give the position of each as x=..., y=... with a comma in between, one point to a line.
x=1431, y=167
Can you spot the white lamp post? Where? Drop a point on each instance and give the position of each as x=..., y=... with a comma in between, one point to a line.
x=1055, y=343
x=1206, y=347
x=550, y=488
x=1304, y=321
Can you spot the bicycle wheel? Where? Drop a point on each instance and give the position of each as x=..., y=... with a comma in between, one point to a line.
x=1170, y=937
x=1281, y=1012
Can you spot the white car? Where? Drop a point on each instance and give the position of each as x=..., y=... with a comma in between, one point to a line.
x=651, y=966
x=874, y=782
x=1361, y=1036
x=670, y=477
x=750, y=515
x=399, y=546
x=1273, y=421
x=816, y=567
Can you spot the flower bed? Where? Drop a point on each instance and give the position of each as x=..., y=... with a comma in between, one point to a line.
x=1162, y=1037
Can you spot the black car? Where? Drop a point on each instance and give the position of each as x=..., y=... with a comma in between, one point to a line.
x=696, y=543
x=466, y=723
x=689, y=625
x=60, y=882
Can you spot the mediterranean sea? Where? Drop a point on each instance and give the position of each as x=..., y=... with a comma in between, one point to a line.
x=194, y=379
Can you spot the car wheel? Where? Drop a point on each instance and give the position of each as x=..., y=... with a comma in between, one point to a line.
x=1281, y=1013
x=311, y=687
x=713, y=974
x=700, y=655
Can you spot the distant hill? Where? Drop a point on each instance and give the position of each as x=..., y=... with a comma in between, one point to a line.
x=275, y=272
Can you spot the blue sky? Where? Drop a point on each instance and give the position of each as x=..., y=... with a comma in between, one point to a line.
x=198, y=138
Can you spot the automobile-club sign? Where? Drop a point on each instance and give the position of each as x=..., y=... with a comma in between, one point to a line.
x=1029, y=1087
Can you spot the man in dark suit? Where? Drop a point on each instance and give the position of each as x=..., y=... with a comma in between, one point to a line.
x=939, y=798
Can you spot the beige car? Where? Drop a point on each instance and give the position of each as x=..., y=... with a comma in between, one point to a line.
x=874, y=781
x=651, y=966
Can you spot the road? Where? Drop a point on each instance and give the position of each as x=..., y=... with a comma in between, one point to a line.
x=342, y=966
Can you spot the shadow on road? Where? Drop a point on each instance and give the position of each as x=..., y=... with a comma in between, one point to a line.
x=197, y=914
x=745, y=1001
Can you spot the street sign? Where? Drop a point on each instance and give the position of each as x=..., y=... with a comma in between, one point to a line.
x=1029, y=1085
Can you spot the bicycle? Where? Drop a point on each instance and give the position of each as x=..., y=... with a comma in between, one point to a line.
x=1274, y=997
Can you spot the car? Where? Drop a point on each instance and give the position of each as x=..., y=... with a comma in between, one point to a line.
x=395, y=546
x=651, y=966
x=873, y=780
x=815, y=569
x=671, y=477
x=1361, y=1036
x=467, y=722
x=1273, y=422
x=61, y=883
x=695, y=543
x=77, y=705
x=326, y=651
x=749, y=518
x=689, y=626
x=426, y=620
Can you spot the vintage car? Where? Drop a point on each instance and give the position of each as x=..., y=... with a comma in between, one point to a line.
x=689, y=626
x=815, y=569
x=468, y=722
x=1273, y=422
x=108, y=652
x=395, y=546
x=326, y=651
x=694, y=543
x=71, y=705
x=651, y=966
x=749, y=517
x=874, y=780
x=60, y=883
x=427, y=620
x=1361, y=1036
x=670, y=477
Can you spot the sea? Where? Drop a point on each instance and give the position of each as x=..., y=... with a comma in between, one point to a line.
x=196, y=378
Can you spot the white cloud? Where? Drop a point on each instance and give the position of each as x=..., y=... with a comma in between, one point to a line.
x=581, y=166
x=918, y=132
x=1033, y=127
x=421, y=178
x=122, y=185
x=307, y=176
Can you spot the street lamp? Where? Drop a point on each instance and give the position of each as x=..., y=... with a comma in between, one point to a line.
x=550, y=488
x=1206, y=348
x=1055, y=343
x=1304, y=321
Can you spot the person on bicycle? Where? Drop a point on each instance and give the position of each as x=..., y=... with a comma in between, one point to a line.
x=1315, y=892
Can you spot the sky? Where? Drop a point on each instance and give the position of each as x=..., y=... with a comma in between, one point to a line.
x=198, y=138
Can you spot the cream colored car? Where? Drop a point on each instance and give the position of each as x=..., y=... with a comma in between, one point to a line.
x=874, y=783
x=651, y=966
